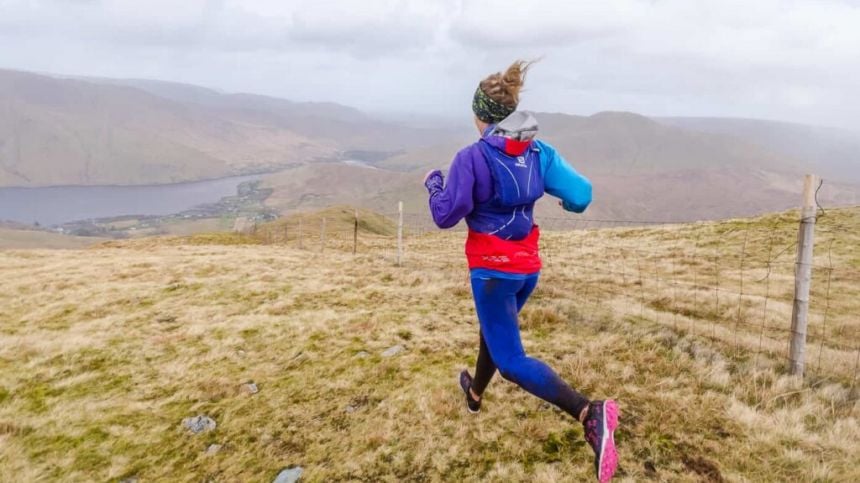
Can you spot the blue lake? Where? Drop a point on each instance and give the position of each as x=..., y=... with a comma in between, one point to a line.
x=61, y=204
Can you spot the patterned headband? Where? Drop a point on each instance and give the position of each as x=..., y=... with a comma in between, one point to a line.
x=488, y=110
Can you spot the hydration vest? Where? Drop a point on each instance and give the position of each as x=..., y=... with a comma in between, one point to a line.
x=517, y=180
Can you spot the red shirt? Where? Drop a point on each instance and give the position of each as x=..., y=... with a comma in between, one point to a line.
x=511, y=256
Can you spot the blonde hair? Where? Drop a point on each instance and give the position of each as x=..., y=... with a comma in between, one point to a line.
x=505, y=88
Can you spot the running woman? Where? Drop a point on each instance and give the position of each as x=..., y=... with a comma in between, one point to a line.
x=494, y=184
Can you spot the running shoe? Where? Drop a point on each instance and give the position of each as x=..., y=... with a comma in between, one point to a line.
x=600, y=424
x=466, y=384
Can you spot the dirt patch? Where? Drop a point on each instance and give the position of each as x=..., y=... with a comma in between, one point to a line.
x=703, y=467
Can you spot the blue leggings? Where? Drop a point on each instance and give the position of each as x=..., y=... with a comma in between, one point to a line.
x=498, y=302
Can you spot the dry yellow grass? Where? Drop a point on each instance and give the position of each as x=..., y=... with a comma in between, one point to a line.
x=18, y=239
x=104, y=351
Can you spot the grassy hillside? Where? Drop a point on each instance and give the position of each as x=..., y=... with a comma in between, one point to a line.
x=336, y=224
x=104, y=352
x=18, y=239
x=326, y=184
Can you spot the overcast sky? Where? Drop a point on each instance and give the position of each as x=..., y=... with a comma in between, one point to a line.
x=790, y=60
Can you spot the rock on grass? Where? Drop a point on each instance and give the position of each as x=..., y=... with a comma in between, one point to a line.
x=199, y=424
x=289, y=475
x=393, y=351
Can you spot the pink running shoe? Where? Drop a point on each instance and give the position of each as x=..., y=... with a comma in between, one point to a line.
x=600, y=424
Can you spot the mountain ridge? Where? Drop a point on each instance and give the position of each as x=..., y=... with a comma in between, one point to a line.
x=86, y=131
x=829, y=151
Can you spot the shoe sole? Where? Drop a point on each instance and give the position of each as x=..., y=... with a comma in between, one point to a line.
x=459, y=377
x=608, y=454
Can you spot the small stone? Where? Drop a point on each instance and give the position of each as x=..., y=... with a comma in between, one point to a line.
x=130, y=479
x=251, y=387
x=199, y=424
x=393, y=351
x=213, y=448
x=362, y=354
x=289, y=475
x=241, y=353
x=350, y=409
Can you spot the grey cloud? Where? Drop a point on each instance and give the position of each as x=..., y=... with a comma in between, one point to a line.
x=374, y=30
x=505, y=24
x=472, y=37
x=212, y=26
x=770, y=58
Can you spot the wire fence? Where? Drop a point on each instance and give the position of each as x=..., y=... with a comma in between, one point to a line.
x=731, y=282
x=733, y=285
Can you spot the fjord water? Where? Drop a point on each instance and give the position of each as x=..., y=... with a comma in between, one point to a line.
x=61, y=204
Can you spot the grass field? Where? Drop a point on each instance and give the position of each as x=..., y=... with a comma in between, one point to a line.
x=104, y=352
x=19, y=239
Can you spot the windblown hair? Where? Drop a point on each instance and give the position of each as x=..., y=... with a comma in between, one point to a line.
x=505, y=88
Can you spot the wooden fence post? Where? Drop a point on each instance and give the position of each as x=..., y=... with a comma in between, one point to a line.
x=803, y=277
x=355, y=235
x=322, y=235
x=301, y=235
x=399, y=232
x=286, y=234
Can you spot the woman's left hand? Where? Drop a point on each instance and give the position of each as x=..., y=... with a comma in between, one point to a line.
x=433, y=180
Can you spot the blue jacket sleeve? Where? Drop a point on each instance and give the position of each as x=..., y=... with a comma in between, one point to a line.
x=562, y=181
x=451, y=201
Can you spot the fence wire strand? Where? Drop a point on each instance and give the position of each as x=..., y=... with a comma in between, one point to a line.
x=613, y=265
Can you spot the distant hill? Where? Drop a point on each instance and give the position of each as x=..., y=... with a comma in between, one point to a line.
x=345, y=127
x=90, y=131
x=71, y=132
x=645, y=169
x=830, y=152
x=627, y=143
x=204, y=96
x=623, y=143
x=328, y=184
x=642, y=170
x=62, y=131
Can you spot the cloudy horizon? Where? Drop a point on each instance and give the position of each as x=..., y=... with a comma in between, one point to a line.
x=783, y=60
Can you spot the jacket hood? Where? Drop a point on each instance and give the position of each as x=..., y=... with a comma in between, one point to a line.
x=520, y=126
x=514, y=134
